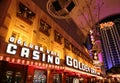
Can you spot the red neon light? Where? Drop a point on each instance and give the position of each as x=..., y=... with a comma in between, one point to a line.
x=58, y=67
x=39, y=64
x=23, y=61
x=28, y=62
x=49, y=66
x=18, y=61
x=52, y=66
x=43, y=64
x=46, y=65
x=36, y=63
x=13, y=60
x=32, y=63
x=55, y=67
x=1, y=57
x=8, y=59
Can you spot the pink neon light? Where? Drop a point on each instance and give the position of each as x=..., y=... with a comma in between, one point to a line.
x=23, y=61
x=18, y=61
x=13, y=60
x=49, y=66
x=8, y=59
x=31, y=63
x=1, y=57
x=36, y=63
x=60, y=67
x=39, y=64
x=52, y=66
x=56, y=67
x=43, y=64
x=28, y=62
x=46, y=65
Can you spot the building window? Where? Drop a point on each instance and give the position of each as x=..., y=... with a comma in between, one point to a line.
x=38, y=44
x=75, y=50
x=44, y=48
x=15, y=35
x=44, y=27
x=67, y=44
x=78, y=53
x=19, y=36
x=58, y=37
x=57, y=78
x=25, y=13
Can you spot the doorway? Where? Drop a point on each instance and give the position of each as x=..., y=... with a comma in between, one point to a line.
x=13, y=73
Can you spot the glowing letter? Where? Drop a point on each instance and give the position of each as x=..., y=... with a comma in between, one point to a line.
x=68, y=60
x=11, y=49
x=50, y=59
x=75, y=63
x=25, y=52
x=12, y=39
x=36, y=55
x=57, y=60
x=43, y=57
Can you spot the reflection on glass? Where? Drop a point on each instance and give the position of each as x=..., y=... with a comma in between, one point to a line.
x=17, y=77
x=57, y=78
x=69, y=79
x=39, y=76
x=9, y=76
x=75, y=80
x=12, y=77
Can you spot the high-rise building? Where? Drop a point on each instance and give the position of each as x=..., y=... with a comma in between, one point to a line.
x=110, y=36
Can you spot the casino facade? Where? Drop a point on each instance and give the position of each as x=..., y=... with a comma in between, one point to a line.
x=35, y=49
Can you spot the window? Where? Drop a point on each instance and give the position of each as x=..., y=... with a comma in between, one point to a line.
x=57, y=78
x=76, y=50
x=67, y=44
x=15, y=35
x=44, y=48
x=18, y=35
x=44, y=27
x=25, y=13
x=38, y=44
x=58, y=37
x=73, y=49
x=78, y=53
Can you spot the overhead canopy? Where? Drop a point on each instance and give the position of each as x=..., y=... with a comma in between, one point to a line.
x=73, y=25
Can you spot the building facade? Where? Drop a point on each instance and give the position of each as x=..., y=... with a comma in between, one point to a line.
x=34, y=49
x=110, y=35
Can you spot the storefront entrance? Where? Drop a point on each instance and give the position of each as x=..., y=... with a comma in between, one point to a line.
x=76, y=80
x=12, y=73
x=69, y=79
x=57, y=78
x=40, y=76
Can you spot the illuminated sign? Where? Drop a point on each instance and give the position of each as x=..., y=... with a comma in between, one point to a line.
x=37, y=53
x=78, y=65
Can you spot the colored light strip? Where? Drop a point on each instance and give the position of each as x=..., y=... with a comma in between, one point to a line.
x=77, y=71
x=8, y=59
x=1, y=57
x=32, y=63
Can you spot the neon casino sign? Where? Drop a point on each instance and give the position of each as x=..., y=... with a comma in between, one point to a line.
x=38, y=54
x=78, y=65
